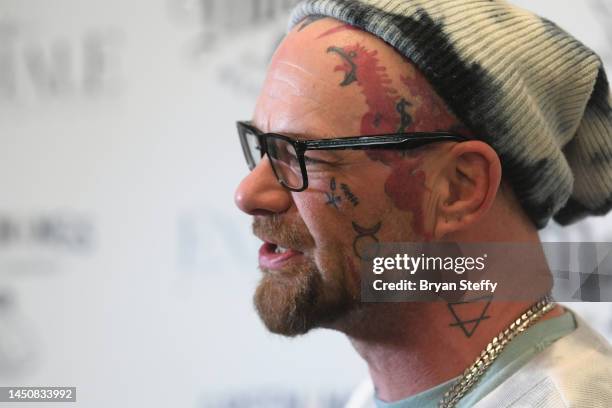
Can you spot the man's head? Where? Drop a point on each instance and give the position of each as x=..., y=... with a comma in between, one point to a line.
x=532, y=100
x=330, y=80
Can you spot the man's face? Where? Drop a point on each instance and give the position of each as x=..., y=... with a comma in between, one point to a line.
x=328, y=80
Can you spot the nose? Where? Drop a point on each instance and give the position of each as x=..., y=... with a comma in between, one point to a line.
x=260, y=193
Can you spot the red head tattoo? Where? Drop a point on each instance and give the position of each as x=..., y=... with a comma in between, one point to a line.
x=388, y=113
x=361, y=66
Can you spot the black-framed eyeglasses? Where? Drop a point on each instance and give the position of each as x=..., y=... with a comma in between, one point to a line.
x=287, y=155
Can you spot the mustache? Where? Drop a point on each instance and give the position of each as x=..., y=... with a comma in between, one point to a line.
x=282, y=232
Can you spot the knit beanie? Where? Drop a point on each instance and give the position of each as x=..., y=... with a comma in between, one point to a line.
x=534, y=93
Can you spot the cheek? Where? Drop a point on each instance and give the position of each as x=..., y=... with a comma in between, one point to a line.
x=338, y=207
x=323, y=211
x=407, y=187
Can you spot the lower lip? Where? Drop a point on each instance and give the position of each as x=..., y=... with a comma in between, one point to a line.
x=269, y=259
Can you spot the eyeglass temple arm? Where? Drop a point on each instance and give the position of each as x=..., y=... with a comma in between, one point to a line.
x=381, y=142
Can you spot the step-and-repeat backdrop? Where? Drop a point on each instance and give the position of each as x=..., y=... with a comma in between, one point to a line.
x=125, y=269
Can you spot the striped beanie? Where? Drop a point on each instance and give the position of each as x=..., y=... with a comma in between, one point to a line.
x=534, y=93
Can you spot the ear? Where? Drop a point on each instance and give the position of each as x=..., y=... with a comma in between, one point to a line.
x=467, y=187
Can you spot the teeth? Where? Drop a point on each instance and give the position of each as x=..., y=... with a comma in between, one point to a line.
x=280, y=250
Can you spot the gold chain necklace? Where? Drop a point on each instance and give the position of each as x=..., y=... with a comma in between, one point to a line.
x=473, y=373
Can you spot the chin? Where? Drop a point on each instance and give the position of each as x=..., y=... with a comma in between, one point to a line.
x=296, y=302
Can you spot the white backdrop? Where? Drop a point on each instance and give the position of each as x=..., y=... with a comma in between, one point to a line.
x=125, y=269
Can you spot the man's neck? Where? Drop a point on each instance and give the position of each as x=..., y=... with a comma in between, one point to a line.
x=411, y=347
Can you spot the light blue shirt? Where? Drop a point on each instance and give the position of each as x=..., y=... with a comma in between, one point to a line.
x=516, y=354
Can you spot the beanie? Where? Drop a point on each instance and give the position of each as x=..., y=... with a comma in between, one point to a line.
x=534, y=93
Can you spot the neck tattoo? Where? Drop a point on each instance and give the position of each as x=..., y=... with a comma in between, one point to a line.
x=473, y=373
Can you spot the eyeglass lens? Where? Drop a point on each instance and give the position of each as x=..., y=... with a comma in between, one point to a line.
x=285, y=162
x=250, y=147
x=281, y=153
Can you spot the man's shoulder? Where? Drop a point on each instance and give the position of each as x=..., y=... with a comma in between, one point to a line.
x=574, y=371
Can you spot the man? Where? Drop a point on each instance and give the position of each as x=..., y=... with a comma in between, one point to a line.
x=515, y=127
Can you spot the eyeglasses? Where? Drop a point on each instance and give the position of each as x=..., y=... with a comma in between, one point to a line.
x=287, y=155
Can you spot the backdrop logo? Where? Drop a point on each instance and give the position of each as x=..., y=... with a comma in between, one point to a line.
x=70, y=233
x=223, y=20
x=36, y=66
x=237, y=36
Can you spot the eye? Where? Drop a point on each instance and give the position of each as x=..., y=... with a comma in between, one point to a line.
x=318, y=164
x=292, y=158
x=311, y=160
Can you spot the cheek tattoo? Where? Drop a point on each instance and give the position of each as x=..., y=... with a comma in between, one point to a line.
x=348, y=194
x=333, y=199
x=405, y=185
x=365, y=238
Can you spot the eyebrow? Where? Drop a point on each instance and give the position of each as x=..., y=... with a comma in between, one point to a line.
x=296, y=136
x=300, y=137
x=303, y=138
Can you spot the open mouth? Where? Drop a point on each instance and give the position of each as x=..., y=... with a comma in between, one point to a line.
x=273, y=256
